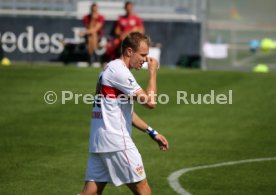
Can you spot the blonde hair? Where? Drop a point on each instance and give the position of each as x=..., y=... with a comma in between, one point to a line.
x=133, y=40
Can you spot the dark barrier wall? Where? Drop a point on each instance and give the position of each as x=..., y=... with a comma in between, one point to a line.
x=40, y=39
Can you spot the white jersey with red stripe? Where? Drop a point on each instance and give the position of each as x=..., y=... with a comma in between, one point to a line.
x=111, y=123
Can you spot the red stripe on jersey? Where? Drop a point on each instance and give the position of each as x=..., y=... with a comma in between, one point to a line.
x=110, y=92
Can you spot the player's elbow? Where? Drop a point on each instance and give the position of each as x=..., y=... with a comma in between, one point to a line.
x=148, y=101
x=150, y=105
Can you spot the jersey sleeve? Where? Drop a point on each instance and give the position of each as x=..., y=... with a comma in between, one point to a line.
x=85, y=20
x=125, y=82
x=119, y=23
x=140, y=22
x=101, y=19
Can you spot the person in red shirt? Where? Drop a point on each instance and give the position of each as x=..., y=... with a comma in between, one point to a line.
x=93, y=23
x=126, y=24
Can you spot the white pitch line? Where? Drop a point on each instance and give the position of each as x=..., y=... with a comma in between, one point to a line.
x=174, y=177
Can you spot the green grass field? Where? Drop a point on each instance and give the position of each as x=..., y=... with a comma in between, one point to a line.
x=44, y=148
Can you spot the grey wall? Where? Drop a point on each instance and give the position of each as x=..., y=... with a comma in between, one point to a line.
x=37, y=39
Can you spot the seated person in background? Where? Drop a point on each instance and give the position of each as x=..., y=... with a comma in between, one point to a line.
x=126, y=24
x=129, y=22
x=93, y=23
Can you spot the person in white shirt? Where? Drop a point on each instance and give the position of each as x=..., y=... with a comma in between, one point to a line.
x=114, y=157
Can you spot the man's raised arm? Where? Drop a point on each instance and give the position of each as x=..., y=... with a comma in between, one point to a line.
x=148, y=98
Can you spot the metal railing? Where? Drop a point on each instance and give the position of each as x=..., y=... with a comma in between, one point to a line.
x=147, y=9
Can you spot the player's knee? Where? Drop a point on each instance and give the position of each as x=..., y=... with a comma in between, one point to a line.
x=90, y=189
x=147, y=190
x=90, y=192
x=144, y=188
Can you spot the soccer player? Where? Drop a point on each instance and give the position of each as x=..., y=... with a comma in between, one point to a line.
x=114, y=157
